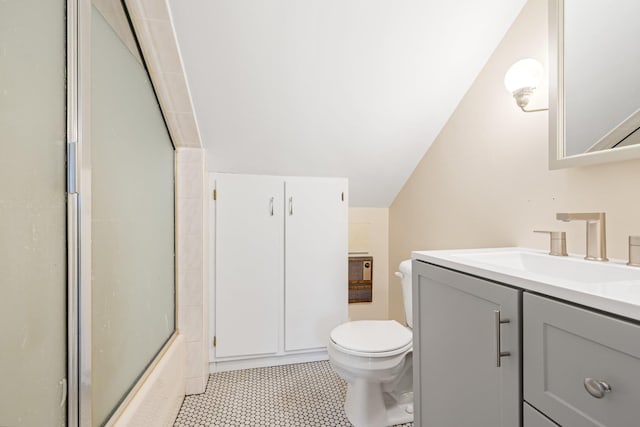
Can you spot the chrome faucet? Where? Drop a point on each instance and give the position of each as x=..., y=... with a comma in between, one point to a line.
x=596, y=233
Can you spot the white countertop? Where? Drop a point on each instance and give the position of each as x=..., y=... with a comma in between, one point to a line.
x=611, y=286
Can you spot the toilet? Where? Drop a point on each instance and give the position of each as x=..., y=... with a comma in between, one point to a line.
x=375, y=358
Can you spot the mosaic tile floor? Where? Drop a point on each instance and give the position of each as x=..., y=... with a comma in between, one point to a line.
x=306, y=394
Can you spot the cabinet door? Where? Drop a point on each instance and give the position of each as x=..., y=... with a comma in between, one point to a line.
x=533, y=418
x=316, y=280
x=456, y=378
x=571, y=352
x=249, y=247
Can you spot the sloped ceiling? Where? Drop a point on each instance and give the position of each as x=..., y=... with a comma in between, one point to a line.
x=354, y=88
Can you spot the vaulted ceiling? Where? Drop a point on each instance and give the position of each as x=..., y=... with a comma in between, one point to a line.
x=354, y=88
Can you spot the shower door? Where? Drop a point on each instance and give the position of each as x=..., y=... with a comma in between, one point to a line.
x=33, y=261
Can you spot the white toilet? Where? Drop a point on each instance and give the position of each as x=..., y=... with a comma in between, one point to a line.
x=375, y=358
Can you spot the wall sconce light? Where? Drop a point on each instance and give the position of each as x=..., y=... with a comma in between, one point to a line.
x=521, y=80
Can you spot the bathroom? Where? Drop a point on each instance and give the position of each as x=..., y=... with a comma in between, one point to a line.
x=483, y=182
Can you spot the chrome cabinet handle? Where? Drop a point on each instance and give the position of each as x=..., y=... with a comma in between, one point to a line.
x=497, y=322
x=596, y=388
x=290, y=205
x=271, y=206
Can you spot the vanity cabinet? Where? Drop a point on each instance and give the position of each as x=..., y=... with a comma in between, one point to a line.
x=579, y=335
x=569, y=349
x=533, y=418
x=460, y=333
x=278, y=264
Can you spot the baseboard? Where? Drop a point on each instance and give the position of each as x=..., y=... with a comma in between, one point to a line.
x=158, y=399
x=262, y=362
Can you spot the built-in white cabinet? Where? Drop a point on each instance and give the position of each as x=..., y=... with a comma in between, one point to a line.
x=278, y=267
x=249, y=264
x=466, y=350
x=316, y=260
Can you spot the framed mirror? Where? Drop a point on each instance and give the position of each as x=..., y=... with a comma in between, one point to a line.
x=594, y=67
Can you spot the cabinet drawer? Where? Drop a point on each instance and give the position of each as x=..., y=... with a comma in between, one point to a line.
x=533, y=418
x=564, y=345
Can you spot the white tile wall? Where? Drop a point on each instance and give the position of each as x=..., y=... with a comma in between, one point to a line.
x=190, y=177
x=193, y=385
x=194, y=360
x=177, y=92
x=190, y=288
x=191, y=225
x=192, y=320
x=152, y=21
x=188, y=128
x=158, y=401
x=154, y=27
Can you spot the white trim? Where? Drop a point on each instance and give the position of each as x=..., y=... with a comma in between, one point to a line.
x=234, y=364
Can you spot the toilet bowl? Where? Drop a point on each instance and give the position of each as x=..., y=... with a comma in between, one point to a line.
x=375, y=358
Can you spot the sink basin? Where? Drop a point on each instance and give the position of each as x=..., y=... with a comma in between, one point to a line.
x=609, y=286
x=572, y=268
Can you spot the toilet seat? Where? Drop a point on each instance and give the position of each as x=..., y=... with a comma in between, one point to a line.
x=372, y=338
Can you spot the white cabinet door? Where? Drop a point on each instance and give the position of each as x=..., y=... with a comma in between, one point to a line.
x=316, y=260
x=457, y=339
x=249, y=251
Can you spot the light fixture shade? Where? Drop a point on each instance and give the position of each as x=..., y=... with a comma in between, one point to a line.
x=526, y=73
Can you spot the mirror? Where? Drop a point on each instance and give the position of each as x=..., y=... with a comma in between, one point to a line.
x=594, y=64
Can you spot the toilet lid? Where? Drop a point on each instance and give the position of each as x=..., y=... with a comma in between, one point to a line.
x=372, y=336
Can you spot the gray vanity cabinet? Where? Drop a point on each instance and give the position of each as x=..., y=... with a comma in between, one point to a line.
x=460, y=379
x=572, y=355
x=533, y=418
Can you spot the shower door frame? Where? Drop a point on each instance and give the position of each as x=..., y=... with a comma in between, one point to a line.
x=78, y=216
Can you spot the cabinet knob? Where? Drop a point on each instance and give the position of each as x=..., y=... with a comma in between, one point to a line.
x=596, y=388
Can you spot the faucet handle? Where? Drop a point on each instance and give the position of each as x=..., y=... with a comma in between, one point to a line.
x=557, y=242
x=634, y=251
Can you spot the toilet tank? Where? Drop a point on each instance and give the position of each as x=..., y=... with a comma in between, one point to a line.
x=405, y=278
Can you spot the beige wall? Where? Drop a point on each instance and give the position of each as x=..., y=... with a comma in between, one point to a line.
x=485, y=181
x=369, y=231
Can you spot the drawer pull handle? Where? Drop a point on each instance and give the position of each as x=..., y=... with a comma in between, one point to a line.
x=596, y=388
x=497, y=322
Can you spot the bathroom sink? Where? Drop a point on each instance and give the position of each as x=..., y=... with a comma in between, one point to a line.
x=562, y=268
x=610, y=286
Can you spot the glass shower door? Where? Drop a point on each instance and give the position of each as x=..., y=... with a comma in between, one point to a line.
x=132, y=215
x=33, y=262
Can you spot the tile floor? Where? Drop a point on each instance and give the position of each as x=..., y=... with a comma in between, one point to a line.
x=306, y=394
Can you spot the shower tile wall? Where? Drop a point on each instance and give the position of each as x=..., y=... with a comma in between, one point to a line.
x=192, y=289
x=152, y=20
